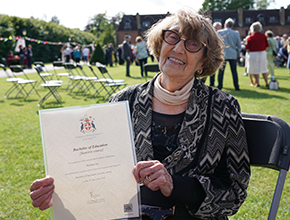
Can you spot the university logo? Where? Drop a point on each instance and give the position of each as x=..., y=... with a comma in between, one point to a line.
x=87, y=124
x=128, y=207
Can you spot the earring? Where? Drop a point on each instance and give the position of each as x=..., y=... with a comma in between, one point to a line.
x=199, y=71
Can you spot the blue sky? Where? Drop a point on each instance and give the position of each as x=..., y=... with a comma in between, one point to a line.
x=76, y=14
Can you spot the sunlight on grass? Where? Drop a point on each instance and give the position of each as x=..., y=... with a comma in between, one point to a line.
x=21, y=158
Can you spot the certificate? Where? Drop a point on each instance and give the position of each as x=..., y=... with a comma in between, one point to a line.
x=89, y=151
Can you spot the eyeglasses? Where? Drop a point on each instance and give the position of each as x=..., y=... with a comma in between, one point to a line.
x=172, y=38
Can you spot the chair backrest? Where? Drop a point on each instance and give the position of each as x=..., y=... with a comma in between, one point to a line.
x=57, y=63
x=151, y=67
x=268, y=140
x=39, y=63
x=3, y=66
x=16, y=68
x=39, y=69
x=102, y=68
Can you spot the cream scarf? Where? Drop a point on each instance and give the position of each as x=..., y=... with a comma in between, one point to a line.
x=178, y=97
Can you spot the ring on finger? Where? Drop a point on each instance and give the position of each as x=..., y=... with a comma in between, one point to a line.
x=148, y=178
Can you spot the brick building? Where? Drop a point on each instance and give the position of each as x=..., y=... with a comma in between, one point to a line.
x=277, y=20
x=136, y=25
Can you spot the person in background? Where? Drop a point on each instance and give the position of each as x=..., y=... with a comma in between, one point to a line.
x=85, y=54
x=189, y=155
x=232, y=41
x=67, y=53
x=110, y=54
x=256, y=46
x=217, y=26
x=270, y=57
x=77, y=54
x=21, y=55
x=288, y=50
x=29, y=56
x=127, y=54
x=119, y=54
x=141, y=53
x=279, y=44
x=284, y=40
x=10, y=58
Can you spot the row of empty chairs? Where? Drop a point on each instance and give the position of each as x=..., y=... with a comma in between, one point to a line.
x=83, y=80
x=23, y=86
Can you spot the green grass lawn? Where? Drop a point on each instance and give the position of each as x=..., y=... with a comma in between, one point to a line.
x=21, y=158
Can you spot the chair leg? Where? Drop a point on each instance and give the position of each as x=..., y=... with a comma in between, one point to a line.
x=33, y=84
x=52, y=92
x=21, y=89
x=11, y=89
x=277, y=195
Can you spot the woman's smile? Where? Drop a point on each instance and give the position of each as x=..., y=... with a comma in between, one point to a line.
x=176, y=61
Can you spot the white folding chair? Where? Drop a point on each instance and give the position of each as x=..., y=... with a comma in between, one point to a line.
x=22, y=83
x=51, y=85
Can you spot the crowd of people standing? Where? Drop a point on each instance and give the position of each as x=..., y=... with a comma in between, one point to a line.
x=258, y=52
x=24, y=58
x=68, y=54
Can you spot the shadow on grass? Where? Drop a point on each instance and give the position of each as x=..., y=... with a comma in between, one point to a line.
x=257, y=94
x=51, y=104
x=21, y=101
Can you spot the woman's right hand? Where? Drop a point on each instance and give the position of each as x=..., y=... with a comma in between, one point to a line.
x=41, y=193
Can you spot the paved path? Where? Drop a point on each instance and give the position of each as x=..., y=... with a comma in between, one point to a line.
x=48, y=67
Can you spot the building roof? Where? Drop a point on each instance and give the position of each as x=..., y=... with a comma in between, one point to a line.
x=247, y=17
x=139, y=22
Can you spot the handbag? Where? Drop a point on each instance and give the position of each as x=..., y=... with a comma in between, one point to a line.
x=273, y=85
x=274, y=53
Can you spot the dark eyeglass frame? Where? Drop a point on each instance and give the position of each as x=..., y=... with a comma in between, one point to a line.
x=181, y=38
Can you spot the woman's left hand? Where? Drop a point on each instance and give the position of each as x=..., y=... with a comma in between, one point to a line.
x=154, y=175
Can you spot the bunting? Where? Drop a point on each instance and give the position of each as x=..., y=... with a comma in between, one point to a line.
x=45, y=42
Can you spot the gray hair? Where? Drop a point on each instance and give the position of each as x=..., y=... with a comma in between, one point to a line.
x=217, y=25
x=229, y=23
x=256, y=27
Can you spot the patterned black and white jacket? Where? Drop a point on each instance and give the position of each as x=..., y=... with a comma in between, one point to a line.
x=212, y=132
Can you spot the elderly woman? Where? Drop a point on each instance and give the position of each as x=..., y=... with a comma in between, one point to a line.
x=270, y=57
x=189, y=138
x=256, y=46
x=141, y=53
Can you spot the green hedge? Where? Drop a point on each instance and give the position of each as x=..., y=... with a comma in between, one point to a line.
x=40, y=30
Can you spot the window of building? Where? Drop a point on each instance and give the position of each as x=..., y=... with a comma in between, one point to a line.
x=260, y=18
x=273, y=19
x=127, y=24
x=248, y=20
x=217, y=20
x=288, y=18
x=146, y=24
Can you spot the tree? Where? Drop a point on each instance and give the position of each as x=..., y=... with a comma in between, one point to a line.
x=103, y=28
x=222, y=5
x=55, y=19
x=244, y=4
x=214, y=5
x=6, y=30
x=98, y=55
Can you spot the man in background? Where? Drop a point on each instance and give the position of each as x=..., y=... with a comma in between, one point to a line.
x=232, y=41
x=127, y=54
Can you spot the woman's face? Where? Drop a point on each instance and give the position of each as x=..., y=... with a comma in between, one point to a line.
x=177, y=63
